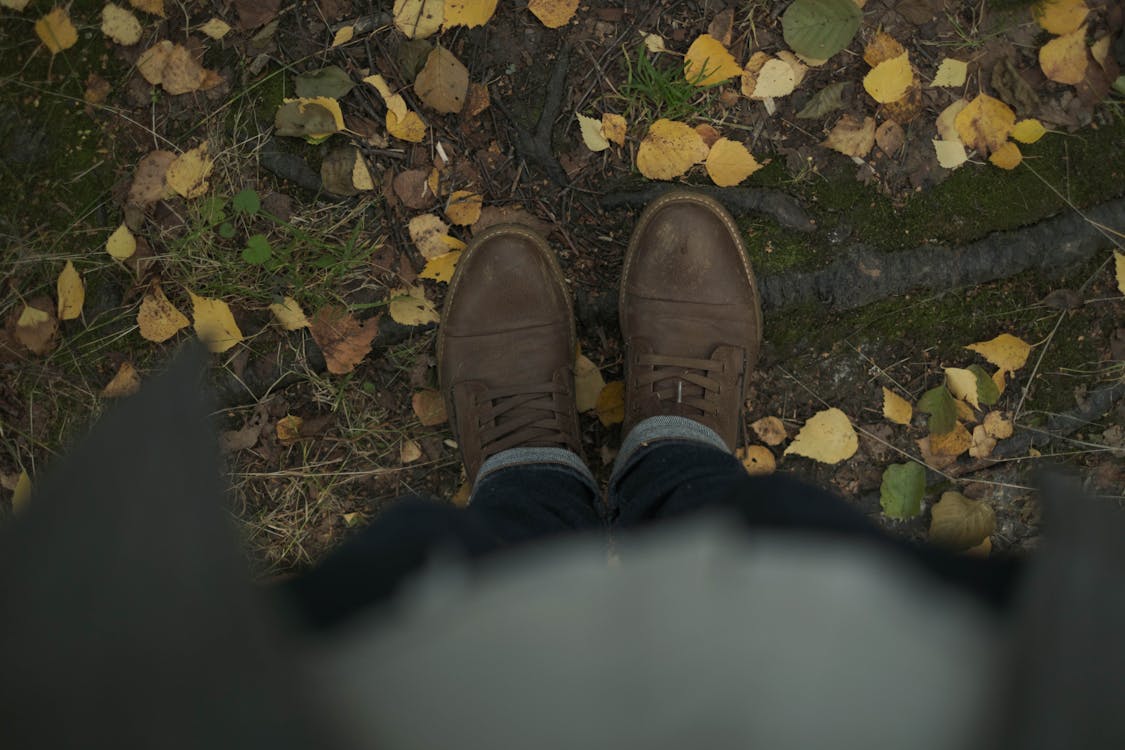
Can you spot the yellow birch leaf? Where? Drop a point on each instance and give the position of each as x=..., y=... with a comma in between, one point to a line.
x=852, y=137
x=361, y=176
x=610, y=407
x=588, y=383
x=463, y=207
x=56, y=31
x=1063, y=59
x=158, y=319
x=468, y=13
x=889, y=80
x=1119, y=267
x=881, y=48
x=443, y=82
x=951, y=73
x=758, y=460
x=947, y=121
x=729, y=163
x=614, y=127
x=964, y=412
x=120, y=25
x=395, y=103
x=214, y=323
x=951, y=444
x=216, y=28
x=409, y=127
x=71, y=291
x=592, y=133
x=121, y=244
x=418, y=19
x=1008, y=156
x=828, y=437
x=409, y=307
x=669, y=149
x=708, y=62
x=1099, y=50
x=950, y=154
x=343, y=35
x=155, y=7
x=125, y=382
x=1060, y=16
x=289, y=429
x=289, y=315
x=153, y=60
x=1006, y=351
x=426, y=232
x=896, y=408
x=999, y=379
x=453, y=243
x=770, y=430
x=1028, y=131
x=553, y=13
x=984, y=123
x=962, y=384
x=775, y=79
x=997, y=426
x=441, y=268
x=749, y=79
x=21, y=495
x=188, y=174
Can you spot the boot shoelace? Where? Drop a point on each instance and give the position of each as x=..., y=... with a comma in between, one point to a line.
x=682, y=380
x=520, y=415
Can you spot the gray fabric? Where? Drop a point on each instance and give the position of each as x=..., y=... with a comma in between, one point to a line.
x=663, y=428
x=530, y=456
x=694, y=637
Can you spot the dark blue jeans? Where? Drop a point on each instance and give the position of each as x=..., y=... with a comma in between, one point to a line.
x=664, y=482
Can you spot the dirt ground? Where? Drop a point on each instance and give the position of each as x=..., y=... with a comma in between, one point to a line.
x=67, y=163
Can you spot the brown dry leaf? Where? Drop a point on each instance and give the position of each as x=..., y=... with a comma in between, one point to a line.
x=343, y=339
x=890, y=80
x=409, y=307
x=214, y=323
x=289, y=315
x=125, y=382
x=758, y=460
x=56, y=31
x=1006, y=351
x=441, y=268
x=120, y=25
x=155, y=7
x=708, y=133
x=909, y=107
x=97, y=89
x=985, y=123
x=931, y=459
x=828, y=437
x=995, y=425
x=463, y=207
x=952, y=443
x=289, y=429
x=614, y=127
x=770, y=430
x=890, y=137
x=708, y=62
x=1099, y=50
x=611, y=404
x=669, y=149
x=429, y=407
x=476, y=101
x=152, y=61
x=37, y=325
x=588, y=383
x=173, y=67
x=553, y=13
x=881, y=48
x=188, y=174
x=427, y=231
x=722, y=26
x=71, y=292
x=1008, y=156
x=409, y=451
x=982, y=444
x=729, y=163
x=149, y=185
x=443, y=82
x=1063, y=59
x=158, y=319
x=418, y=19
x=852, y=137
x=896, y=408
x=1060, y=16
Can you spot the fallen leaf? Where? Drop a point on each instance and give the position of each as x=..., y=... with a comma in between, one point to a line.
x=71, y=292
x=340, y=168
x=999, y=380
x=890, y=80
x=669, y=149
x=413, y=189
x=881, y=48
x=343, y=339
x=985, y=123
x=553, y=13
x=426, y=231
x=443, y=81
x=56, y=31
x=289, y=429
x=828, y=99
x=770, y=430
x=982, y=444
x=476, y=101
x=799, y=68
x=960, y=523
x=1119, y=268
x=429, y=407
x=149, y=185
x=216, y=28
x=754, y=65
x=775, y=79
x=97, y=89
x=950, y=154
x=900, y=494
x=951, y=73
x=410, y=127
x=120, y=25
x=409, y=307
x=121, y=244
x=592, y=133
x=614, y=127
x=1099, y=50
x=158, y=319
x=708, y=133
x=896, y=408
x=313, y=119
x=1028, y=131
x=1063, y=59
x=1006, y=351
x=173, y=67
x=818, y=29
x=610, y=407
x=188, y=174
x=729, y=163
x=995, y=425
x=852, y=137
x=343, y=35
x=21, y=495
x=588, y=383
x=828, y=437
x=1060, y=16
x=931, y=459
x=1008, y=156
x=952, y=443
x=441, y=267
x=708, y=62
x=890, y=137
x=654, y=43
x=409, y=451
x=962, y=384
x=947, y=121
x=758, y=460
x=214, y=323
x=418, y=19
x=938, y=403
x=332, y=82
x=155, y=7
x=463, y=207
x=125, y=382
x=722, y=26
x=361, y=175
x=289, y=315
x=37, y=325
x=16, y=5
x=468, y=13
x=909, y=107
x=987, y=391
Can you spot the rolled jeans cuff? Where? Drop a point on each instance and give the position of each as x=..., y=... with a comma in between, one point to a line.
x=659, y=429
x=559, y=458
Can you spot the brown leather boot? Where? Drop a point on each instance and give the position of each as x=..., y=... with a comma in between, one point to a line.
x=690, y=315
x=506, y=348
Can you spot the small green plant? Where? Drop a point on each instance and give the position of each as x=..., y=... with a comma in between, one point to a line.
x=652, y=92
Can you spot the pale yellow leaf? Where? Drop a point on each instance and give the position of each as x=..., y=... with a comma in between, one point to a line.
x=469, y=13
x=1028, y=131
x=963, y=385
x=158, y=319
x=1006, y=351
x=758, y=460
x=852, y=137
x=708, y=62
x=343, y=35
x=770, y=430
x=120, y=25
x=984, y=123
x=1063, y=59
x=216, y=28
x=441, y=268
x=56, y=31
x=896, y=408
x=21, y=495
x=125, y=382
x=588, y=383
x=1060, y=16
x=1119, y=267
x=951, y=73
x=409, y=307
x=729, y=163
x=828, y=437
x=1008, y=156
x=592, y=133
x=409, y=451
x=426, y=232
x=654, y=43
x=16, y=5
x=553, y=13
x=947, y=120
x=71, y=292
x=669, y=149
x=614, y=127
x=799, y=68
x=121, y=244
x=214, y=323
x=775, y=79
x=361, y=176
x=188, y=174
x=890, y=80
x=950, y=154
x=418, y=19
x=289, y=315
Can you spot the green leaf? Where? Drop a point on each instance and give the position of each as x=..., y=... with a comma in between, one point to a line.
x=293, y=120
x=246, y=202
x=828, y=99
x=987, y=392
x=332, y=82
x=257, y=250
x=211, y=209
x=902, y=490
x=938, y=403
x=820, y=28
x=226, y=230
